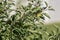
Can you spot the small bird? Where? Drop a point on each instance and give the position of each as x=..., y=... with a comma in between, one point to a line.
x=38, y=14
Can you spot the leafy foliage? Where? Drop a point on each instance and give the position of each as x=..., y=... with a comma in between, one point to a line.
x=26, y=24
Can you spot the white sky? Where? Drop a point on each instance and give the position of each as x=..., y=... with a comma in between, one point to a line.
x=55, y=15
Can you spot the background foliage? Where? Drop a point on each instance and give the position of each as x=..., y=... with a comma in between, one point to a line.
x=27, y=23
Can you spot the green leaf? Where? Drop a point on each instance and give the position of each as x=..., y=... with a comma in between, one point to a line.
x=46, y=15
x=0, y=37
x=50, y=8
x=46, y=4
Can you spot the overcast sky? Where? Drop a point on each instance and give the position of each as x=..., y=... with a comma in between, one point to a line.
x=55, y=15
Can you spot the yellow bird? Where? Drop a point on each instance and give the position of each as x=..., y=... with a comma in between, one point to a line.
x=39, y=14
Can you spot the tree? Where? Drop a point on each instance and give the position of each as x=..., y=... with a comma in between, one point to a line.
x=26, y=24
